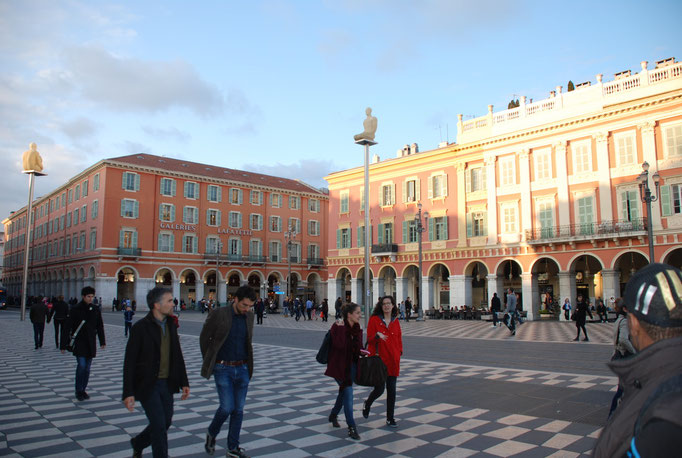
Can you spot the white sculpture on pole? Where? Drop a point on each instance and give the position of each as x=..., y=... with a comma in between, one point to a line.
x=31, y=160
x=370, y=126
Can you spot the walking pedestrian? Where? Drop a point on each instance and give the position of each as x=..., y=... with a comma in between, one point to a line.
x=567, y=309
x=601, y=311
x=511, y=311
x=85, y=347
x=337, y=308
x=38, y=313
x=647, y=422
x=623, y=348
x=384, y=337
x=495, y=306
x=227, y=353
x=59, y=314
x=297, y=310
x=128, y=319
x=401, y=309
x=154, y=370
x=346, y=343
x=580, y=315
x=408, y=309
x=309, y=308
x=324, y=310
x=259, y=309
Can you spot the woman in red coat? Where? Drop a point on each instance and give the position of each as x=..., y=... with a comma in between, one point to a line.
x=385, y=337
x=346, y=343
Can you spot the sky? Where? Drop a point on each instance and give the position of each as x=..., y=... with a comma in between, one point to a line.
x=281, y=86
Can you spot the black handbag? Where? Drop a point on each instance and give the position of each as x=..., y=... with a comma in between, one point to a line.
x=323, y=353
x=371, y=371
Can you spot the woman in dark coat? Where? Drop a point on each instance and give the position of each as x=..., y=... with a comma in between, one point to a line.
x=581, y=312
x=346, y=343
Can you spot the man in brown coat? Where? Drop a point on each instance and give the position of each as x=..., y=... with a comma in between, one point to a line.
x=648, y=421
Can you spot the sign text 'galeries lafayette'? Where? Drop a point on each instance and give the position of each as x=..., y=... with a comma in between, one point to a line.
x=193, y=228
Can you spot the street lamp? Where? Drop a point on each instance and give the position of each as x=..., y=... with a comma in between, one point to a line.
x=219, y=249
x=645, y=195
x=289, y=236
x=419, y=227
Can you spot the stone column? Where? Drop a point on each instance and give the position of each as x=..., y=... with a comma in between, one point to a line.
x=426, y=293
x=106, y=289
x=221, y=290
x=400, y=289
x=526, y=207
x=649, y=155
x=142, y=287
x=604, y=174
x=176, y=290
x=377, y=289
x=562, y=185
x=198, y=291
x=334, y=290
x=528, y=294
x=355, y=291
x=457, y=290
x=492, y=199
x=610, y=284
x=566, y=290
x=461, y=205
x=492, y=287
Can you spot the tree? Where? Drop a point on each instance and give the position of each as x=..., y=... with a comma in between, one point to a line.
x=571, y=86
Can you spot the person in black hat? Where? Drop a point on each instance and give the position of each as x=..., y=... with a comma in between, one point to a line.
x=648, y=421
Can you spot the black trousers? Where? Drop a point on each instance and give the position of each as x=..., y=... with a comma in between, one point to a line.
x=58, y=328
x=390, y=385
x=158, y=408
x=495, y=319
x=38, y=331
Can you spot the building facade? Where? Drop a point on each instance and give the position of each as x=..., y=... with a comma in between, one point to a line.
x=129, y=223
x=543, y=198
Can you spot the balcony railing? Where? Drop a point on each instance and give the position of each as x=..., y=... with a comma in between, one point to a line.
x=122, y=251
x=315, y=261
x=605, y=229
x=384, y=248
x=294, y=259
x=252, y=258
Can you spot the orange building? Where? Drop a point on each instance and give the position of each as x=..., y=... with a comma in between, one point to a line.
x=543, y=198
x=129, y=223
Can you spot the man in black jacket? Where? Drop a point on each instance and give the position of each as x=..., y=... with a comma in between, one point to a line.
x=59, y=312
x=495, y=306
x=84, y=347
x=153, y=370
x=38, y=313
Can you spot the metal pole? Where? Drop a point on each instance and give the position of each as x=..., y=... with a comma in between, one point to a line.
x=27, y=245
x=368, y=241
x=420, y=229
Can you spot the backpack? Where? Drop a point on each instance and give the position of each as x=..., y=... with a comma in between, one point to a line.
x=323, y=353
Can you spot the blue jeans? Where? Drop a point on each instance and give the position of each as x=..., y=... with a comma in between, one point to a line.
x=159, y=410
x=232, y=383
x=82, y=373
x=38, y=331
x=345, y=398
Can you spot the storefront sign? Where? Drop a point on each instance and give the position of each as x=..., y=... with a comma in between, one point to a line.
x=235, y=231
x=180, y=227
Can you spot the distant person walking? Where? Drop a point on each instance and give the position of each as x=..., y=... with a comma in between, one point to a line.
x=337, y=308
x=580, y=315
x=346, y=343
x=408, y=309
x=567, y=309
x=495, y=307
x=59, y=314
x=128, y=319
x=259, y=308
x=38, y=314
x=153, y=370
x=511, y=311
x=84, y=348
x=623, y=348
x=385, y=337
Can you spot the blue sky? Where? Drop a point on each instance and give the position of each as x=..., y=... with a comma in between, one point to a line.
x=280, y=86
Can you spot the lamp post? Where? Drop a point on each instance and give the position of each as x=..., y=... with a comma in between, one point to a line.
x=289, y=236
x=647, y=198
x=419, y=228
x=219, y=249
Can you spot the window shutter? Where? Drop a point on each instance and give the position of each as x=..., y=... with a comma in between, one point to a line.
x=405, y=231
x=624, y=206
x=484, y=178
x=666, y=204
x=220, y=193
x=271, y=200
x=361, y=236
x=239, y=219
x=467, y=179
x=338, y=238
x=470, y=225
x=445, y=227
x=219, y=217
x=430, y=187
x=485, y=224
x=158, y=242
x=208, y=217
x=380, y=234
x=121, y=239
x=184, y=214
x=194, y=244
x=240, y=201
x=239, y=247
x=417, y=189
x=393, y=194
x=185, y=188
x=444, y=184
x=123, y=183
x=134, y=239
x=136, y=211
x=173, y=187
x=172, y=213
x=381, y=195
x=404, y=191
x=431, y=229
x=369, y=236
x=137, y=182
x=123, y=211
x=160, y=212
x=172, y=242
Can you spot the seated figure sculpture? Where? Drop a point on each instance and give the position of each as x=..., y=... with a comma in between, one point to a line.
x=31, y=159
x=370, y=125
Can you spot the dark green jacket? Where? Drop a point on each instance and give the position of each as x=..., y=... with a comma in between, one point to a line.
x=215, y=331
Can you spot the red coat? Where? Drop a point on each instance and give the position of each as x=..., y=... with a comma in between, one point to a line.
x=391, y=349
x=344, y=351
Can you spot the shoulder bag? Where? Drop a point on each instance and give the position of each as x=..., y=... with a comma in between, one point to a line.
x=323, y=353
x=371, y=370
x=72, y=341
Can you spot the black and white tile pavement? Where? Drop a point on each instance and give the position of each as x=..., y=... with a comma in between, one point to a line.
x=286, y=411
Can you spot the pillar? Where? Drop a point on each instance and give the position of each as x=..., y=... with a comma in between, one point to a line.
x=492, y=200
x=400, y=289
x=176, y=290
x=461, y=205
x=526, y=207
x=105, y=287
x=457, y=290
x=491, y=283
x=528, y=294
x=604, y=176
x=221, y=290
x=562, y=186
x=610, y=284
x=377, y=289
x=142, y=287
x=356, y=292
x=649, y=155
x=334, y=290
x=198, y=290
x=426, y=292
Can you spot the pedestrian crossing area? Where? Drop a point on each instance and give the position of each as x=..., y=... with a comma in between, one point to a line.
x=286, y=411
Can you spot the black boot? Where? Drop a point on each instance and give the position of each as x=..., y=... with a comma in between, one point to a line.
x=365, y=409
x=353, y=433
x=334, y=421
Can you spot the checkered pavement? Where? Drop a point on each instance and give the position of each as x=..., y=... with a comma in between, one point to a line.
x=286, y=410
